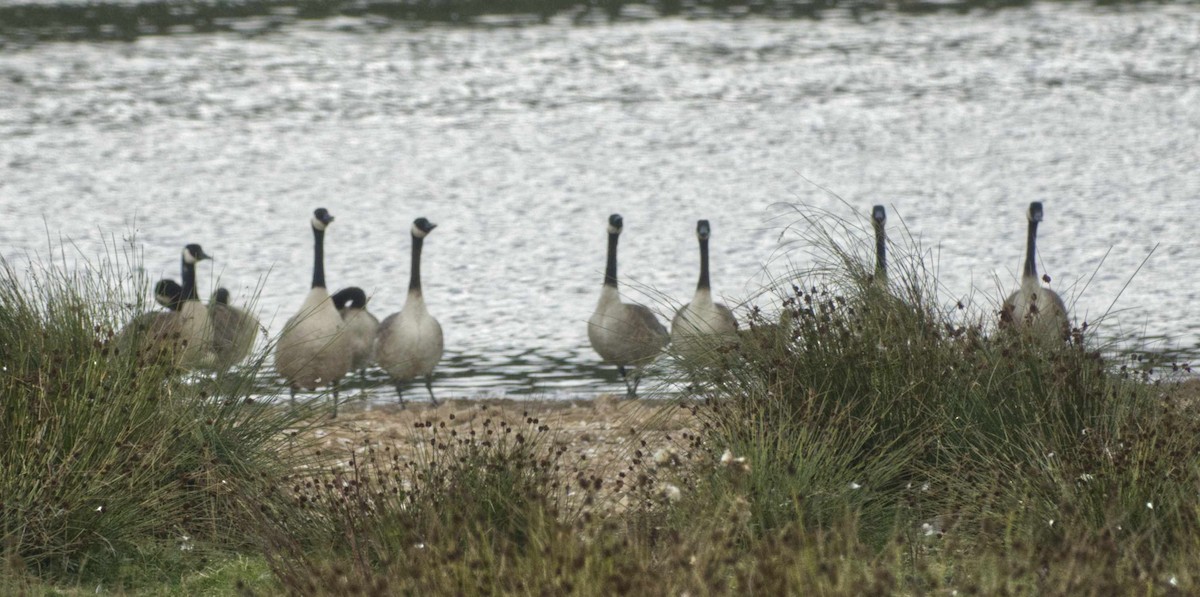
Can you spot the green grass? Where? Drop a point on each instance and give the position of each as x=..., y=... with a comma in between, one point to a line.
x=113, y=460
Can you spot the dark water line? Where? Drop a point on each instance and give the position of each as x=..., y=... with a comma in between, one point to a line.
x=22, y=23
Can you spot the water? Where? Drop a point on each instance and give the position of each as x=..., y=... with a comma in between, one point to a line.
x=519, y=141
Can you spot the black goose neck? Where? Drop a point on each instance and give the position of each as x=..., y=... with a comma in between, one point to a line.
x=704, y=283
x=318, y=279
x=414, y=277
x=610, y=268
x=880, y=251
x=1031, y=251
x=189, y=293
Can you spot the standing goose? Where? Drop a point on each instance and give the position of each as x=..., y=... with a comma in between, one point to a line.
x=312, y=351
x=1033, y=307
x=233, y=331
x=624, y=334
x=701, y=317
x=879, y=221
x=409, y=344
x=361, y=326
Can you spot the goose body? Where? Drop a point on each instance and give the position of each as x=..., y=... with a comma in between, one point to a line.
x=1034, y=308
x=699, y=322
x=361, y=326
x=625, y=334
x=234, y=330
x=410, y=343
x=312, y=351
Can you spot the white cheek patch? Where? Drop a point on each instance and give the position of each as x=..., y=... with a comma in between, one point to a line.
x=188, y=258
x=613, y=229
x=318, y=224
x=417, y=232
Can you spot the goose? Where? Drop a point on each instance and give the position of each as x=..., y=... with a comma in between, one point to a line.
x=624, y=334
x=233, y=330
x=361, y=326
x=409, y=343
x=879, y=221
x=186, y=330
x=152, y=324
x=312, y=351
x=701, y=317
x=1032, y=306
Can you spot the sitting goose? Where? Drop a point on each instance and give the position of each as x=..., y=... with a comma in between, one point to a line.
x=142, y=329
x=233, y=330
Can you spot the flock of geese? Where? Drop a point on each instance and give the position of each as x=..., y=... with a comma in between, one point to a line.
x=333, y=335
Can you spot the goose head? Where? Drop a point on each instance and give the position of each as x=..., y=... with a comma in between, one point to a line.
x=1035, y=211
x=353, y=297
x=167, y=293
x=221, y=297
x=321, y=218
x=703, y=230
x=879, y=216
x=615, y=224
x=422, y=227
x=193, y=254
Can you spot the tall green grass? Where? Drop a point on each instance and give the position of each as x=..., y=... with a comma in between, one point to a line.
x=112, y=457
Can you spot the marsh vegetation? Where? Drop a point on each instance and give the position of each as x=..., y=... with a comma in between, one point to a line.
x=865, y=438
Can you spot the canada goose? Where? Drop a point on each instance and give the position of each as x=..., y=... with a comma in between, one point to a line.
x=623, y=333
x=361, y=326
x=152, y=326
x=879, y=220
x=1033, y=306
x=410, y=342
x=701, y=317
x=191, y=325
x=312, y=350
x=185, y=331
x=233, y=330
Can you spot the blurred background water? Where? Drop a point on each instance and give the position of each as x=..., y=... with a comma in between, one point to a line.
x=520, y=134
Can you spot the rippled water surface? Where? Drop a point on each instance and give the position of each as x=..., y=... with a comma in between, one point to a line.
x=519, y=141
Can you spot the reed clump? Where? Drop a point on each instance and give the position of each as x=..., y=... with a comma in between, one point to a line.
x=868, y=400
x=110, y=458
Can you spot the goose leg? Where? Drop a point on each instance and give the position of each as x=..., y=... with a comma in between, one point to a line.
x=637, y=377
x=429, y=386
x=400, y=393
x=335, y=399
x=630, y=391
x=293, y=392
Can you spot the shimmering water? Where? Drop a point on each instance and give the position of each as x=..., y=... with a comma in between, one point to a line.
x=519, y=141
